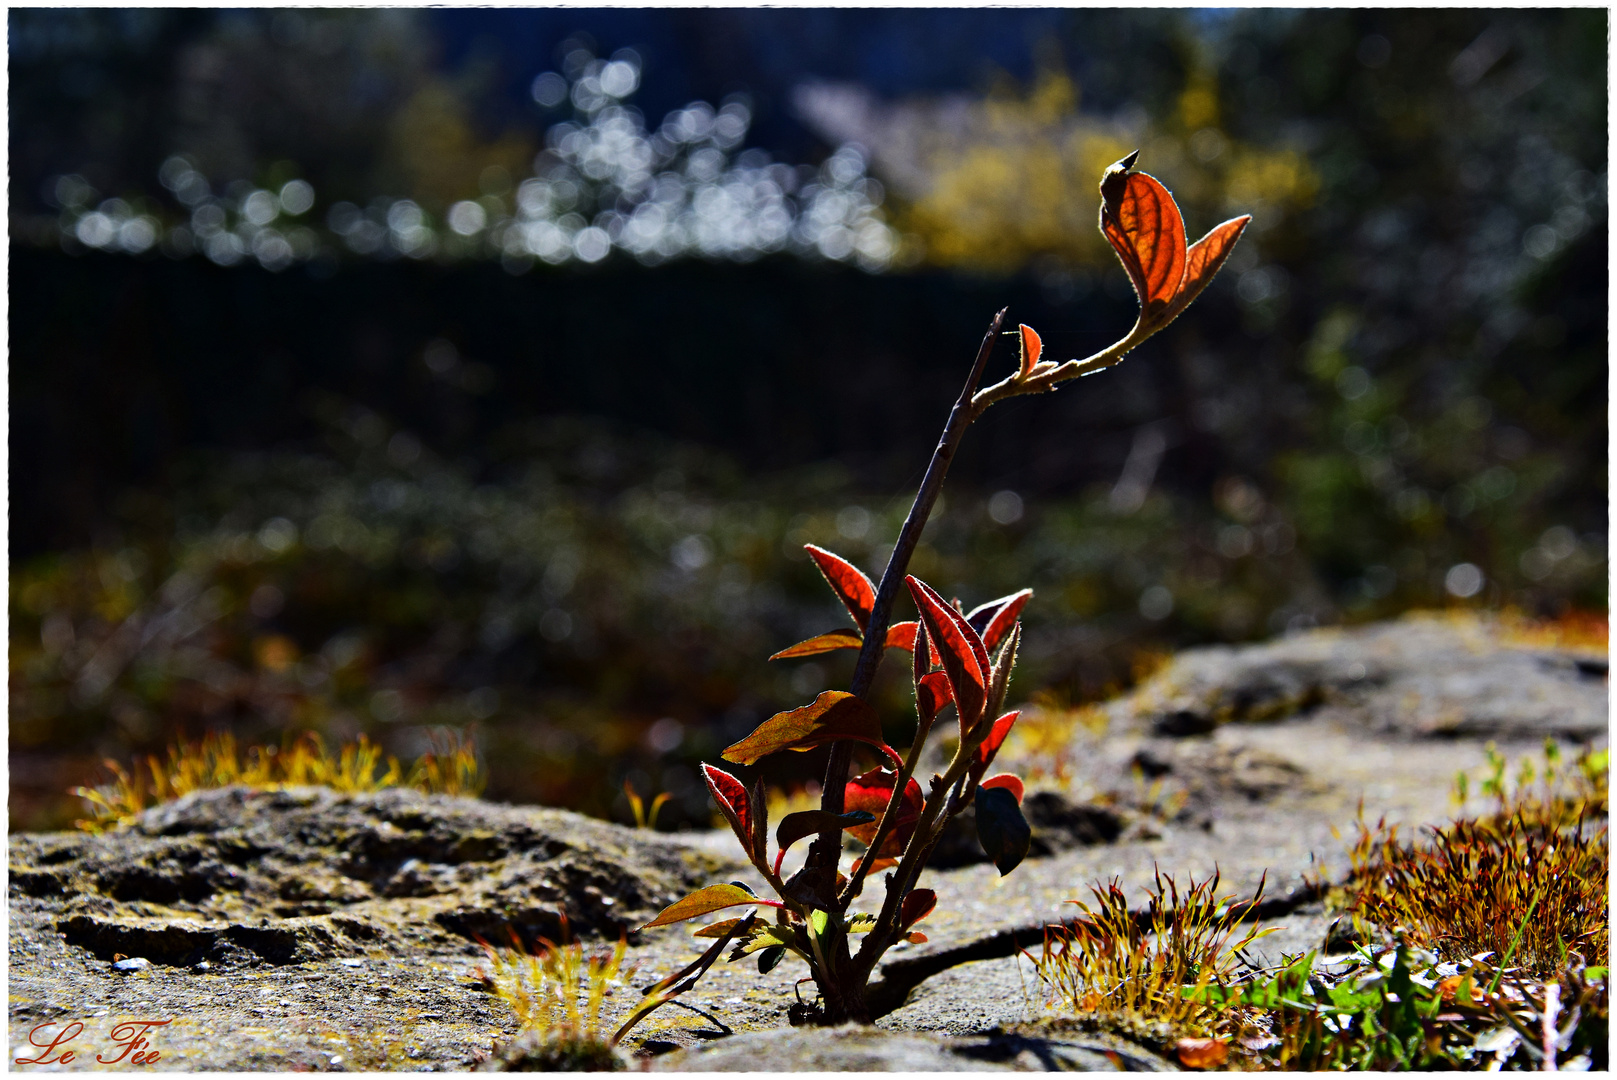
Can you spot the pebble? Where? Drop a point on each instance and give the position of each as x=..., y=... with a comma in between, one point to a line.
x=133, y=963
x=351, y=961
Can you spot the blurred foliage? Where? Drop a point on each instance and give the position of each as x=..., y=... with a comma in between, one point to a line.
x=449, y=768
x=601, y=609
x=1013, y=181
x=1393, y=396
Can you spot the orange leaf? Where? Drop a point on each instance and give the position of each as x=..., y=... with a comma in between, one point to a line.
x=852, y=587
x=965, y=661
x=1010, y=783
x=1145, y=228
x=915, y=937
x=901, y=636
x=718, y=929
x=994, y=619
x=835, y=714
x=823, y=643
x=1202, y=1053
x=996, y=738
x=1031, y=347
x=704, y=901
x=877, y=864
x=1204, y=258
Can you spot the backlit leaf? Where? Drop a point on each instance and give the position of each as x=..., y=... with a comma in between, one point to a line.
x=964, y=659
x=731, y=795
x=705, y=901
x=793, y=827
x=996, y=738
x=916, y=905
x=915, y=937
x=870, y=792
x=901, y=636
x=1009, y=782
x=994, y=619
x=835, y=714
x=822, y=643
x=931, y=695
x=852, y=587
x=1031, y=347
x=1204, y=258
x=718, y=929
x=764, y=937
x=1001, y=828
x=999, y=680
x=1143, y=224
x=882, y=863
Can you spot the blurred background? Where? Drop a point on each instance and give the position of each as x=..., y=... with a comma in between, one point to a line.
x=385, y=371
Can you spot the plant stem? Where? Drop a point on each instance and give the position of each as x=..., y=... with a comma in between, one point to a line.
x=827, y=847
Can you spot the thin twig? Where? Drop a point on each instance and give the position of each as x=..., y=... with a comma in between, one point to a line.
x=828, y=845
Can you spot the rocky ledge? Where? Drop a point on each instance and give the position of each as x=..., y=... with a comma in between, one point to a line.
x=307, y=929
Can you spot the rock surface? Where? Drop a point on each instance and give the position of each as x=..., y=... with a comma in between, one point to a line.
x=307, y=929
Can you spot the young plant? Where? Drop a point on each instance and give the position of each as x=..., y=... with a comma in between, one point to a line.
x=556, y=995
x=1402, y=1010
x=959, y=659
x=1529, y=880
x=1149, y=966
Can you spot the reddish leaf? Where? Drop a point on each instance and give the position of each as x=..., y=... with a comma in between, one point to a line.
x=964, y=659
x=1031, y=347
x=823, y=643
x=996, y=738
x=1010, y=783
x=1144, y=226
x=834, y=715
x=994, y=619
x=920, y=649
x=704, y=902
x=871, y=792
x=1204, y=258
x=901, y=636
x=915, y=937
x=852, y=587
x=877, y=864
x=731, y=795
x=931, y=695
x=916, y=905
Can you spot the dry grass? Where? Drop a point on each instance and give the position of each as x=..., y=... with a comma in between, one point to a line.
x=1572, y=630
x=556, y=995
x=1143, y=966
x=1529, y=879
x=214, y=761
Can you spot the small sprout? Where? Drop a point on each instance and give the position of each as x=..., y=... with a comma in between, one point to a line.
x=644, y=818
